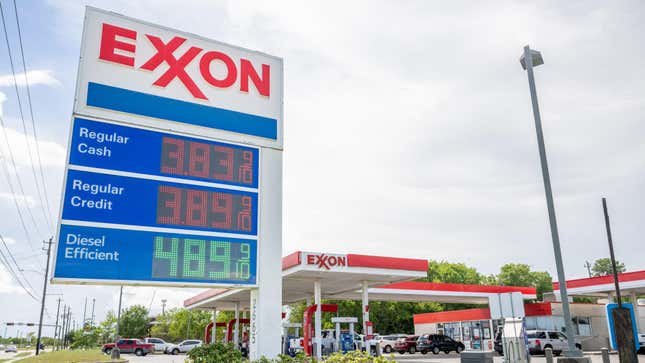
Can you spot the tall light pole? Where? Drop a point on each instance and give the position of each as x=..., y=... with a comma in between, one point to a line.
x=529, y=59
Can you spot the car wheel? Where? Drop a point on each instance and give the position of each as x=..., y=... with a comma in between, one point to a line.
x=436, y=350
x=387, y=349
x=108, y=351
x=459, y=349
x=412, y=350
x=175, y=351
x=138, y=352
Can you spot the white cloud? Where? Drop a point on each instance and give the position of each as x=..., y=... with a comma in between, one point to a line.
x=7, y=285
x=52, y=154
x=36, y=77
x=9, y=240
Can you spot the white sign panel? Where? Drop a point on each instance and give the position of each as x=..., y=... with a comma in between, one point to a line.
x=145, y=72
x=508, y=305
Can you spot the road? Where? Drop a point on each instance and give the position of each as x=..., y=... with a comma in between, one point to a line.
x=454, y=358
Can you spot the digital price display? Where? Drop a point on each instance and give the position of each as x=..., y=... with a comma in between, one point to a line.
x=217, y=162
x=109, y=146
x=201, y=259
x=204, y=209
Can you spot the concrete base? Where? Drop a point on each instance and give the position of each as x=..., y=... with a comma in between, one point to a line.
x=476, y=357
x=574, y=360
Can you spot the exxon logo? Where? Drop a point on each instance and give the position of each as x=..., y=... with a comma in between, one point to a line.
x=326, y=262
x=119, y=45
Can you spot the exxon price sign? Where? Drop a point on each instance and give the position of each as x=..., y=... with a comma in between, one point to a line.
x=175, y=162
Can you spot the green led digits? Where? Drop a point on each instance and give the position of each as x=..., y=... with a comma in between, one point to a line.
x=199, y=256
x=203, y=260
x=221, y=252
x=242, y=267
x=171, y=255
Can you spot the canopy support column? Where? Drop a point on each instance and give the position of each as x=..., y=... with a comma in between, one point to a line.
x=236, y=332
x=318, y=320
x=366, y=307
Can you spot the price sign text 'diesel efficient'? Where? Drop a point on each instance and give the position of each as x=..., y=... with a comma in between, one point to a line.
x=174, y=169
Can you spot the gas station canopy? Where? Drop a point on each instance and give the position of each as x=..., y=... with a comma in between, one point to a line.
x=343, y=277
x=337, y=274
x=602, y=286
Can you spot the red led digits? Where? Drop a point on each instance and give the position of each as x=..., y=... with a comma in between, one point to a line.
x=244, y=215
x=223, y=205
x=217, y=209
x=226, y=163
x=245, y=174
x=199, y=161
x=169, y=198
x=172, y=158
x=216, y=162
x=196, y=208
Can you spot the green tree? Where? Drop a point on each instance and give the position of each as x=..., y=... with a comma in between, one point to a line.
x=107, y=328
x=456, y=273
x=134, y=322
x=517, y=274
x=602, y=267
x=178, y=324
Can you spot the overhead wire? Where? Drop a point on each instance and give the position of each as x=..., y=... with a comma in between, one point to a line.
x=31, y=113
x=12, y=272
x=24, y=124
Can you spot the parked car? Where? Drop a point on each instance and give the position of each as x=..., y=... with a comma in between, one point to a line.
x=135, y=346
x=406, y=344
x=641, y=341
x=386, y=342
x=436, y=343
x=183, y=347
x=11, y=349
x=539, y=340
x=160, y=344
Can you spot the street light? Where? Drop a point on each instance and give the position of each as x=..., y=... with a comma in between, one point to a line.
x=529, y=59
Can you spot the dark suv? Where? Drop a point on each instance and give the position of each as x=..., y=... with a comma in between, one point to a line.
x=436, y=343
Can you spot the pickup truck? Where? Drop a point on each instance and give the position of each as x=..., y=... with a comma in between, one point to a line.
x=135, y=346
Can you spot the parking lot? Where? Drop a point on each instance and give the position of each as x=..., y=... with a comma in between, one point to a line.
x=454, y=358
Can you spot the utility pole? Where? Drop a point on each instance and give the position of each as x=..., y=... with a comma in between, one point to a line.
x=116, y=353
x=42, y=305
x=588, y=266
x=56, y=325
x=163, y=306
x=93, y=303
x=84, y=313
x=69, y=325
x=62, y=328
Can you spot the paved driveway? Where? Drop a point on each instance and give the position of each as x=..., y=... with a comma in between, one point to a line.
x=154, y=358
x=454, y=358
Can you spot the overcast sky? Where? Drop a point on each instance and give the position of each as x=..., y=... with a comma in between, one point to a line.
x=408, y=128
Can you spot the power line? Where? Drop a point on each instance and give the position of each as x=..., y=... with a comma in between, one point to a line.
x=31, y=112
x=22, y=190
x=22, y=117
x=5, y=262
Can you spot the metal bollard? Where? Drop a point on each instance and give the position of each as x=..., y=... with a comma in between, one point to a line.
x=605, y=355
x=548, y=353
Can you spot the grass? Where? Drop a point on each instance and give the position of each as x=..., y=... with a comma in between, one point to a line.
x=23, y=354
x=68, y=356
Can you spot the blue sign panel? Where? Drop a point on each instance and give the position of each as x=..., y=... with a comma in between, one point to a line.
x=109, y=146
x=125, y=255
x=106, y=198
x=611, y=324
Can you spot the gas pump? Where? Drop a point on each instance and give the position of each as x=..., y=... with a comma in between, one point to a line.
x=291, y=343
x=308, y=329
x=212, y=329
x=243, y=344
x=344, y=341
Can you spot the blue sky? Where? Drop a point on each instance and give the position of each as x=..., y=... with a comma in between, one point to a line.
x=408, y=127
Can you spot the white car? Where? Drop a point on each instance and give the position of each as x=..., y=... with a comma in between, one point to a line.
x=539, y=340
x=183, y=347
x=385, y=343
x=160, y=344
x=11, y=349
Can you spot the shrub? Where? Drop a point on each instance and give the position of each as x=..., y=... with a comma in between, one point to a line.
x=216, y=352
